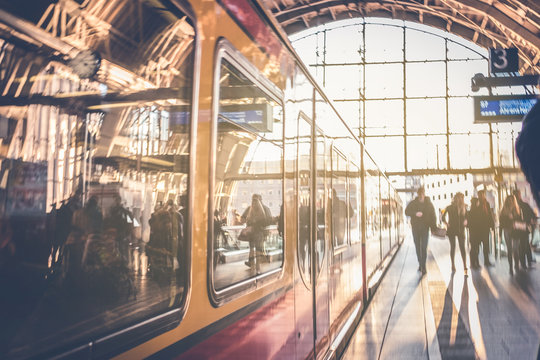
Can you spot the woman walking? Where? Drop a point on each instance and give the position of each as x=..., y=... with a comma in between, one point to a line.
x=510, y=213
x=455, y=219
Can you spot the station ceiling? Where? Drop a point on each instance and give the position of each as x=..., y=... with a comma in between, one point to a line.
x=488, y=23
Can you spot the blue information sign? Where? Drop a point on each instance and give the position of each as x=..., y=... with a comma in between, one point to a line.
x=502, y=108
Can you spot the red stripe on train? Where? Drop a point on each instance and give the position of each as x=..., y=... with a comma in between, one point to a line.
x=253, y=24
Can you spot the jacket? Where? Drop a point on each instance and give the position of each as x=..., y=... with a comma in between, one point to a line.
x=428, y=218
x=456, y=221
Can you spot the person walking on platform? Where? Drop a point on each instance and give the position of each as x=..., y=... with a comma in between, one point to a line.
x=480, y=222
x=423, y=218
x=529, y=220
x=454, y=217
x=510, y=213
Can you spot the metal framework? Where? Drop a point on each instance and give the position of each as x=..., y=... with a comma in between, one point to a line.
x=488, y=23
x=496, y=160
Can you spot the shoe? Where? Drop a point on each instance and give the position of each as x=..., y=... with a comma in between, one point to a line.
x=247, y=263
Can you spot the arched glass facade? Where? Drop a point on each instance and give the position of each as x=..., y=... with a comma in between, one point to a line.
x=406, y=88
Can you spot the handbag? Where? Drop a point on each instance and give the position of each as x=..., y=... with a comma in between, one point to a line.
x=520, y=226
x=245, y=234
x=438, y=232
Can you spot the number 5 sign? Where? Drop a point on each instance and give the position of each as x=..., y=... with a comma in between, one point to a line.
x=504, y=60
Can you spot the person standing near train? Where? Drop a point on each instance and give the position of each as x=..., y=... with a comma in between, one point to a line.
x=423, y=218
x=454, y=217
x=480, y=222
x=529, y=220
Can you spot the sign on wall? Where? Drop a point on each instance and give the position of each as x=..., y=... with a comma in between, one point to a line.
x=504, y=60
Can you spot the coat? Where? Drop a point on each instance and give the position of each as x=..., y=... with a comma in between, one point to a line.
x=428, y=218
x=456, y=221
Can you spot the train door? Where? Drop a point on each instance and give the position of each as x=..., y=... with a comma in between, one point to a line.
x=320, y=249
x=303, y=296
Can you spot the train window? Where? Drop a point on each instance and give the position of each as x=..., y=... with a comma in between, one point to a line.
x=93, y=196
x=320, y=201
x=354, y=215
x=304, y=197
x=246, y=233
x=340, y=205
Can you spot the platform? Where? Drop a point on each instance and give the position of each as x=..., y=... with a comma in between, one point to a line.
x=488, y=314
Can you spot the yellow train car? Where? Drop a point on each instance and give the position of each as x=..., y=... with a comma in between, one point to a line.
x=174, y=184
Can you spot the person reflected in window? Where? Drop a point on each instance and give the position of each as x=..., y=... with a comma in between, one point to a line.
x=339, y=218
x=480, y=224
x=455, y=218
x=257, y=216
x=423, y=218
x=165, y=227
x=120, y=222
x=510, y=213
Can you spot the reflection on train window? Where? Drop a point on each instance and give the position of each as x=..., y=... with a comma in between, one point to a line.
x=93, y=189
x=340, y=204
x=320, y=201
x=247, y=227
x=304, y=198
x=354, y=215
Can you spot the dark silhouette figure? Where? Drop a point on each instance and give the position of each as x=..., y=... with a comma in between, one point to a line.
x=529, y=219
x=454, y=217
x=257, y=216
x=120, y=221
x=480, y=222
x=510, y=213
x=423, y=218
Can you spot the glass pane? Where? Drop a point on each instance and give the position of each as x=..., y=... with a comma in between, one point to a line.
x=456, y=51
x=469, y=151
x=339, y=199
x=373, y=231
x=354, y=215
x=461, y=117
x=384, y=81
x=320, y=201
x=94, y=193
x=343, y=82
x=385, y=217
x=503, y=147
x=304, y=199
x=384, y=43
x=384, y=117
x=426, y=116
x=426, y=152
x=349, y=111
x=248, y=181
x=343, y=45
x=419, y=41
x=426, y=79
x=387, y=152
x=460, y=74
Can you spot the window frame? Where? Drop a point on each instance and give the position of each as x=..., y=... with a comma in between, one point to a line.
x=224, y=50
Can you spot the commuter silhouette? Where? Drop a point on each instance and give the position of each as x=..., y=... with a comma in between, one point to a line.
x=510, y=213
x=480, y=222
x=529, y=219
x=423, y=218
x=120, y=221
x=257, y=217
x=339, y=218
x=455, y=218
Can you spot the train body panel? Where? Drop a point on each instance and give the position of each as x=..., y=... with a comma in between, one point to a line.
x=222, y=131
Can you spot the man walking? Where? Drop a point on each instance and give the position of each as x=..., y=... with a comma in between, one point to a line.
x=422, y=215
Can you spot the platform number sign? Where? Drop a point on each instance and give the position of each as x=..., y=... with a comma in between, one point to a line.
x=504, y=60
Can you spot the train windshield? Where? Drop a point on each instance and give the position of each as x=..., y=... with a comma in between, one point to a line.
x=94, y=168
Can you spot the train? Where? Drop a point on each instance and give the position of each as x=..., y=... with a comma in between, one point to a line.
x=175, y=184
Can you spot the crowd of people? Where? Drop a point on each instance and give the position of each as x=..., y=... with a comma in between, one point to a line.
x=517, y=222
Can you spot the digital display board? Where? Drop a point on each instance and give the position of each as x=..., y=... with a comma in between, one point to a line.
x=502, y=108
x=256, y=116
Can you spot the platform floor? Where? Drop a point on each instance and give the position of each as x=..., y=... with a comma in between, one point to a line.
x=488, y=314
